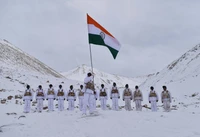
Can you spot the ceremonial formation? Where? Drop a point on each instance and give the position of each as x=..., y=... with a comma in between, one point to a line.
x=87, y=96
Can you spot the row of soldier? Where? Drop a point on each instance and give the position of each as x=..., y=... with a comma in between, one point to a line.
x=87, y=96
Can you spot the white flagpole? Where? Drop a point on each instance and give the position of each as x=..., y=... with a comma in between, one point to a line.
x=91, y=58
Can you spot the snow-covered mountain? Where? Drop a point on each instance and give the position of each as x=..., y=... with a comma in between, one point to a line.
x=13, y=59
x=181, y=76
x=18, y=69
x=81, y=71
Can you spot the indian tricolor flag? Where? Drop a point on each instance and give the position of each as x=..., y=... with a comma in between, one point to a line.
x=100, y=36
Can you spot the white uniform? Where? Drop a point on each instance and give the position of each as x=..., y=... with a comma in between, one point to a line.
x=71, y=97
x=28, y=97
x=60, y=96
x=50, y=95
x=88, y=96
x=103, y=96
x=114, y=95
x=138, y=98
x=127, y=97
x=153, y=99
x=81, y=98
x=166, y=99
x=40, y=96
x=94, y=100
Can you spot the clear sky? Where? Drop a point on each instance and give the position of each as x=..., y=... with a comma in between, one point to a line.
x=152, y=33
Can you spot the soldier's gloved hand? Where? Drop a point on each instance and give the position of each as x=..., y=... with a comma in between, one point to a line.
x=149, y=101
x=110, y=98
x=74, y=99
x=47, y=99
x=123, y=99
x=131, y=98
x=31, y=99
x=96, y=98
x=118, y=97
x=162, y=101
x=67, y=99
x=54, y=99
x=64, y=98
x=43, y=98
x=156, y=100
x=23, y=100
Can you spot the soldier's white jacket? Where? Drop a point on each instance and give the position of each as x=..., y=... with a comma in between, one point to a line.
x=103, y=97
x=114, y=95
x=166, y=99
x=38, y=91
x=80, y=90
x=127, y=97
x=60, y=97
x=71, y=97
x=137, y=98
x=50, y=96
x=28, y=97
x=153, y=98
x=86, y=80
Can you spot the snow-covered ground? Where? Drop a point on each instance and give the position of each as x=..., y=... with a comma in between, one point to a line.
x=177, y=123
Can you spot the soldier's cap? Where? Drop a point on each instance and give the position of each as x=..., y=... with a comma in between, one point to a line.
x=71, y=86
x=114, y=83
x=40, y=86
x=152, y=87
x=81, y=85
x=60, y=86
x=136, y=87
x=164, y=87
x=89, y=74
x=126, y=85
x=102, y=85
x=50, y=85
x=28, y=86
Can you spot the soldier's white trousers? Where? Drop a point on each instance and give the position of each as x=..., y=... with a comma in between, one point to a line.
x=94, y=104
x=88, y=101
x=39, y=105
x=81, y=103
x=71, y=104
x=154, y=105
x=127, y=104
x=115, y=105
x=166, y=105
x=60, y=104
x=51, y=104
x=27, y=106
x=138, y=105
x=103, y=103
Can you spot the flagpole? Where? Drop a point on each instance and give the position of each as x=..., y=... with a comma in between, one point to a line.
x=91, y=58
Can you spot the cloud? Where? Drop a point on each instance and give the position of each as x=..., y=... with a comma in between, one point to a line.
x=152, y=33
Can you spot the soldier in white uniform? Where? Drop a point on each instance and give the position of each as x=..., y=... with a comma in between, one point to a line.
x=88, y=95
x=81, y=97
x=153, y=99
x=27, y=98
x=103, y=97
x=50, y=95
x=166, y=98
x=137, y=98
x=114, y=95
x=127, y=97
x=60, y=95
x=94, y=100
x=71, y=97
x=40, y=96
